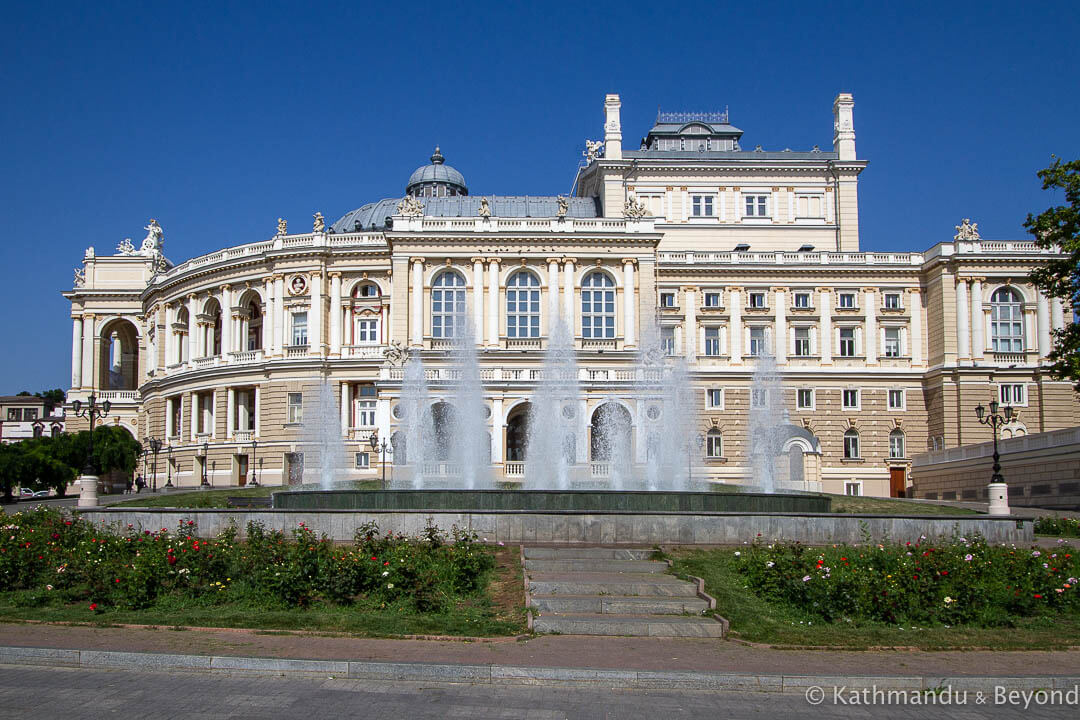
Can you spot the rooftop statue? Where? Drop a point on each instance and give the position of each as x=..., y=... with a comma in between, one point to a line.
x=967, y=230
x=126, y=247
x=154, y=242
x=282, y=227
x=410, y=207
x=564, y=207
x=635, y=209
x=80, y=277
x=485, y=209
x=593, y=148
x=320, y=223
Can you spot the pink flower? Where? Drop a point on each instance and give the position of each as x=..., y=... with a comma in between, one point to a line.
x=806, y=578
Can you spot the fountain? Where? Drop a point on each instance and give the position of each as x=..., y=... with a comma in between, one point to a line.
x=766, y=433
x=321, y=436
x=468, y=433
x=553, y=421
x=417, y=426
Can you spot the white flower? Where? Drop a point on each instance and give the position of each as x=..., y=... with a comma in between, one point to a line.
x=769, y=564
x=48, y=587
x=390, y=586
x=385, y=573
x=948, y=600
x=737, y=554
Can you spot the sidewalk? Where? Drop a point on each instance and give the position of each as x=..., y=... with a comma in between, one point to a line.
x=560, y=651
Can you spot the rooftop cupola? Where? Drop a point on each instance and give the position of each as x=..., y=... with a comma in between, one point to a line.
x=436, y=180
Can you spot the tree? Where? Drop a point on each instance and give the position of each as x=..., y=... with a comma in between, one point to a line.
x=1058, y=228
x=52, y=398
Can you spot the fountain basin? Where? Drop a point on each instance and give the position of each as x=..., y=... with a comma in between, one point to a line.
x=588, y=501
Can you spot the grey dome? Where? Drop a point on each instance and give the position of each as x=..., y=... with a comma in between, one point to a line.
x=438, y=172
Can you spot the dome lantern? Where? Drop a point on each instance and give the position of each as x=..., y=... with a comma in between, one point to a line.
x=436, y=180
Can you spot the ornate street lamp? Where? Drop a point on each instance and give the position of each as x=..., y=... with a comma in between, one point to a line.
x=205, y=456
x=155, y=447
x=93, y=412
x=384, y=448
x=254, y=450
x=168, y=471
x=998, y=490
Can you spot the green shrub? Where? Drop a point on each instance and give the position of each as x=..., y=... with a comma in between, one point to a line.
x=1058, y=526
x=959, y=582
x=44, y=553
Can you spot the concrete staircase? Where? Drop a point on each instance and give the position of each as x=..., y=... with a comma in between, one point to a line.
x=611, y=591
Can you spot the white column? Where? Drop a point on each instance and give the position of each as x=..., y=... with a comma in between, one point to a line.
x=1057, y=313
x=915, y=306
x=269, y=316
x=316, y=338
x=382, y=420
x=279, y=311
x=553, y=294
x=225, y=300
x=416, y=298
x=193, y=330
x=335, y=313
x=493, y=302
x=258, y=401
x=230, y=412
x=870, y=331
x=568, y=297
x=478, y=298
x=194, y=424
x=346, y=416
x=825, y=342
x=690, y=295
x=780, y=312
x=1042, y=311
x=629, y=303
x=978, y=323
x=963, y=315
x=735, y=334
x=76, y=351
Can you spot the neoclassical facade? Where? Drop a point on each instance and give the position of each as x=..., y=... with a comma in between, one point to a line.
x=690, y=246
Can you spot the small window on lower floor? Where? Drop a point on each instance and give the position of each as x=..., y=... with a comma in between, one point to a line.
x=896, y=399
x=296, y=408
x=714, y=398
x=804, y=399
x=1011, y=394
x=362, y=461
x=851, y=399
x=714, y=444
x=667, y=340
x=853, y=488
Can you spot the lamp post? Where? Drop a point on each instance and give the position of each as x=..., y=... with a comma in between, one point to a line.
x=384, y=448
x=155, y=447
x=205, y=456
x=168, y=471
x=254, y=450
x=998, y=490
x=88, y=496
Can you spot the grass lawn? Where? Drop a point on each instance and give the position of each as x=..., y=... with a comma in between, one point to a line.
x=756, y=620
x=194, y=498
x=891, y=506
x=499, y=612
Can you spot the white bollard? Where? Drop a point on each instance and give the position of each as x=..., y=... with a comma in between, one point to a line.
x=999, y=498
x=88, y=491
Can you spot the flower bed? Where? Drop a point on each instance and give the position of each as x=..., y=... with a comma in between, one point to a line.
x=959, y=582
x=1058, y=526
x=48, y=560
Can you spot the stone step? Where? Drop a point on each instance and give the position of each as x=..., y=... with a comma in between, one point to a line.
x=585, y=553
x=575, y=565
x=624, y=584
x=634, y=625
x=619, y=604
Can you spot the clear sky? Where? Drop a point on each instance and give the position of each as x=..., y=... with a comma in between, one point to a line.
x=216, y=118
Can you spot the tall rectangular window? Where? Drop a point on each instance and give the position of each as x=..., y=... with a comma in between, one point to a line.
x=365, y=413
x=847, y=342
x=846, y=300
x=892, y=301
x=896, y=399
x=712, y=300
x=850, y=399
x=802, y=300
x=892, y=342
x=367, y=332
x=802, y=341
x=1011, y=394
x=362, y=461
x=176, y=415
x=667, y=340
x=804, y=399
x=296, y=407
x=757, y=341
x=759, y=397
x=667, y=300
x=714, y=398
x=712, y=341
x=757, y=299
x=205, y=424
x=703, y=206
x=756, y=205
x=299, y=328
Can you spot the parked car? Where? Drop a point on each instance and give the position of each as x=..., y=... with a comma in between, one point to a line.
x=28, y=494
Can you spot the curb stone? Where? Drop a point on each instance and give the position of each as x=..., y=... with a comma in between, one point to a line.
x=512, y=674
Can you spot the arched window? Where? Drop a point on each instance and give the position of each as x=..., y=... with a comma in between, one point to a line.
x=896, y=443
x=851, y=444
x=254, y=326
x=714, y=444
x=368, y=291
x=597, y=306
x=522, y=305
x=1007, y=321
x=447, y=305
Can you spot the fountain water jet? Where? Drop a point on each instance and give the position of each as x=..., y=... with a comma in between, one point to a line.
x=551, y=446
x=766, y=433
x=322, y=434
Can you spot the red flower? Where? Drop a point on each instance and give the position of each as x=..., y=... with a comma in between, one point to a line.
x=1038, y=596
x=374, y=558
x=117, y=579
x=386, y=563
x=944, y=572
x=93, y=606
x=172, y=559
x=916, y=577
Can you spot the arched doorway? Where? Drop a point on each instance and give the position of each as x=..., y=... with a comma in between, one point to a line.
x=610, y=436
x=517, y=432
x=119, y=356
x=443, y=417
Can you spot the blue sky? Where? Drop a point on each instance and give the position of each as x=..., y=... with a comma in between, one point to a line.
x=216, y=118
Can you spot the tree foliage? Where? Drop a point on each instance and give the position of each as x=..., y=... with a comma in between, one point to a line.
x=1058, y=227
x=54, y=462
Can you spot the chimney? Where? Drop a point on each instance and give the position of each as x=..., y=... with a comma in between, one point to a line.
x=612, y=128
x=844, y=126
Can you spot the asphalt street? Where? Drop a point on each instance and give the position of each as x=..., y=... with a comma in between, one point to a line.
x=77, y=694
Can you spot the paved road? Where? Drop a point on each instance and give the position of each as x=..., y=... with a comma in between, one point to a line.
x=73, y=694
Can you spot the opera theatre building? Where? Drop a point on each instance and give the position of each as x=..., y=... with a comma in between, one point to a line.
x=688, y=251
